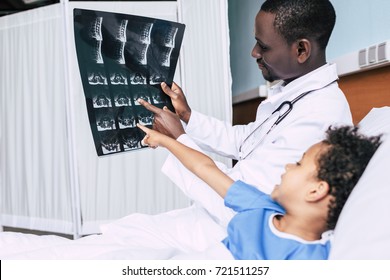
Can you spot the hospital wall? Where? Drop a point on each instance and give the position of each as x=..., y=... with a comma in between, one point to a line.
x=359, y=24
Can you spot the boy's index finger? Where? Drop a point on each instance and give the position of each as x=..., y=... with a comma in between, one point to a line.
x=148, y=106
x=143, y=128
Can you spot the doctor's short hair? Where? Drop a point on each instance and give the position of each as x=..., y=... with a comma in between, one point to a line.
x=303, y=19
x=342, y=162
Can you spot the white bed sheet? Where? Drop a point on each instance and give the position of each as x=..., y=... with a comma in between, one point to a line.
x=29, y=246
x=122, y=239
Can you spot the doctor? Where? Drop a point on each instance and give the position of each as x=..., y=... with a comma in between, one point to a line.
x=291, y=38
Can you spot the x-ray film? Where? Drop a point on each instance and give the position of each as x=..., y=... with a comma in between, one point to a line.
x=122, y=58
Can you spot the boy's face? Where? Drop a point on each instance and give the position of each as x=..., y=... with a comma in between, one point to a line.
x=275, y=58
x=298, y=177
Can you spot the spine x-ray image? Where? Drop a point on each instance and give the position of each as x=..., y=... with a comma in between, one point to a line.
x=122, y=58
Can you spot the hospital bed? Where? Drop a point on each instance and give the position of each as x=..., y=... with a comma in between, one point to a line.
x=363, y=230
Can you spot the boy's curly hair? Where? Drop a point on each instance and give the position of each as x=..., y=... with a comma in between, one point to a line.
x=342, y=163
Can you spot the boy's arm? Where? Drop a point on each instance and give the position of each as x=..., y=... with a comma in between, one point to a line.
x=198, y=163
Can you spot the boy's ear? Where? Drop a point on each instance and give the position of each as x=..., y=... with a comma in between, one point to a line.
x=318, y=191
x=303, y=50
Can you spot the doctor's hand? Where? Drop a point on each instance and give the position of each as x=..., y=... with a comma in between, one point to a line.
x=179, y=101
x=165, y=121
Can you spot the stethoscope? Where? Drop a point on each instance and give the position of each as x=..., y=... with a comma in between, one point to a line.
x=251, y=141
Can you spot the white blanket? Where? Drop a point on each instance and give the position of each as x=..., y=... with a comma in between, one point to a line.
x=121, y=239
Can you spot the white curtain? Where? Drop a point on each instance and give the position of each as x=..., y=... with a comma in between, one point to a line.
x=207, y=77
x=51, y=176
x=35, y=175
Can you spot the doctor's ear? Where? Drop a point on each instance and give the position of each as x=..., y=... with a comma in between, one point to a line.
x=318, y=191
x=303, y=50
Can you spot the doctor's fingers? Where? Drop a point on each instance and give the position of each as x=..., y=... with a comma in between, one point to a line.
x=172, y=92
x=179, y=101
x=168, y=123
x=149, y=106
x=177, y=96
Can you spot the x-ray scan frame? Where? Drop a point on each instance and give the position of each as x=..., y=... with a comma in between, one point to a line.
x=122, y=58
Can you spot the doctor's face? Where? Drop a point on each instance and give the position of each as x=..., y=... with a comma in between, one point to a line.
x=275, y=58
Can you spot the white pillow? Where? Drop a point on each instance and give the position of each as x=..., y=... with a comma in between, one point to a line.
x=377, y=121
x=363, y=229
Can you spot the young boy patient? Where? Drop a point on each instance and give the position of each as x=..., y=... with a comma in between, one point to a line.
x=296, y=219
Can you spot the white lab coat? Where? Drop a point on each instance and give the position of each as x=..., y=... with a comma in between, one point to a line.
x=305, y=125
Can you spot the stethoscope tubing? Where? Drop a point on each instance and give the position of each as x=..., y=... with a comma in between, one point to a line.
x=280, y=118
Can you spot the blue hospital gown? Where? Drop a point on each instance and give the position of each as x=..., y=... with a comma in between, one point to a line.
x=252, y=235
